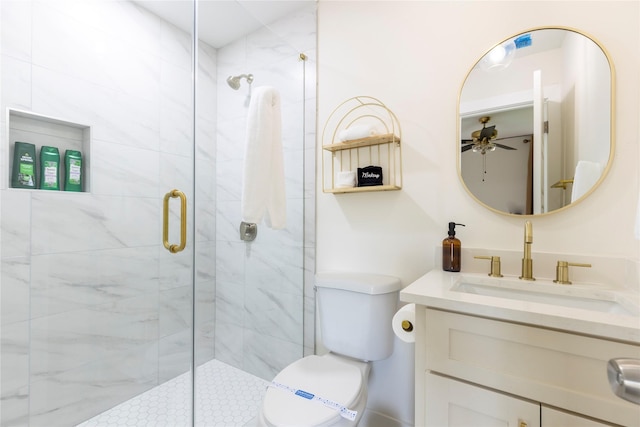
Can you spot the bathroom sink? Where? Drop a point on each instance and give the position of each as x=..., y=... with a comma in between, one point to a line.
x=585, y=297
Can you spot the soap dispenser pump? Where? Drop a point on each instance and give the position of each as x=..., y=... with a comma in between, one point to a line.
x=451, y=246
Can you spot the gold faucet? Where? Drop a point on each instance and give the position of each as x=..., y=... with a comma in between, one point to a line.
x=527, y=262
x=562, y=271
x=495, y=265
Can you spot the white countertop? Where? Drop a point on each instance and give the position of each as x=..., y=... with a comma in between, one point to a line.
x=434, y=289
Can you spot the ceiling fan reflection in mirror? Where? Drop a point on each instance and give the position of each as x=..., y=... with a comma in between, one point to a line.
x=483, y=140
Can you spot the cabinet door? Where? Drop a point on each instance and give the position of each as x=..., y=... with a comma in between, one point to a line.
x=554, y=418
x=453, y=403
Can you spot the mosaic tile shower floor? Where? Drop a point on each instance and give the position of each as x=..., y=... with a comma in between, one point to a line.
x=227, y=397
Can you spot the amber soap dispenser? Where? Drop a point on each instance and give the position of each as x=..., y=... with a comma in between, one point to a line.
x=451, y=258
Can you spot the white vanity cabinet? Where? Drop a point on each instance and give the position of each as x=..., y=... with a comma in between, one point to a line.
x=479, y=371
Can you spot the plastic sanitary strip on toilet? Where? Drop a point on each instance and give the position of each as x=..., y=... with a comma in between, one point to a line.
x=344, y=411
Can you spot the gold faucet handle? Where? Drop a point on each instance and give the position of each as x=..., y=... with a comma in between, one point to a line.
x=562, y=271
x=495, y=265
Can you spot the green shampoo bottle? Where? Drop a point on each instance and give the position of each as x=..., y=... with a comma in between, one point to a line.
x=73, y=166
x=49, y=168
x=23, y=174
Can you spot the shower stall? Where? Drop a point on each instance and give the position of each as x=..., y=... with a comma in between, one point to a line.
x=94, y=310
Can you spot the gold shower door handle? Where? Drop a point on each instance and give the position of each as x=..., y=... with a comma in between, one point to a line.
x=183, y=221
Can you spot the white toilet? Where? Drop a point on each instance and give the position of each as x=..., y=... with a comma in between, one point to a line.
x=355, y=312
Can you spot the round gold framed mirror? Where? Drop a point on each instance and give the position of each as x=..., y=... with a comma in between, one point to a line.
x=535, y=117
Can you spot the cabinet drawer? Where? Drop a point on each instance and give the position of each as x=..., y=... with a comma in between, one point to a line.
x=553, y=418
x=451, y=403
x=556, y=368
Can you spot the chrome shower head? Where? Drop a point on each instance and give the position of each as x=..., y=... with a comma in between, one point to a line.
x=234, y=81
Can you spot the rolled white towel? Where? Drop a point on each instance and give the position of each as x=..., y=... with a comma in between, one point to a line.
x=346, y=179
x=357, y=132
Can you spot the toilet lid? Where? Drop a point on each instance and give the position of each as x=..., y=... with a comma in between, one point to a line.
x=325, y=377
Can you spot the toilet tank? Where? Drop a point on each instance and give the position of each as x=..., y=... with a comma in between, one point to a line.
x=355, y=312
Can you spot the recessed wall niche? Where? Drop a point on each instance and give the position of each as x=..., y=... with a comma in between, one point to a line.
x=42, y=131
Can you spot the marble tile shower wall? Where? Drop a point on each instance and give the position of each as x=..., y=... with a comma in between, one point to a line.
x=260, y=290
x=94, y=310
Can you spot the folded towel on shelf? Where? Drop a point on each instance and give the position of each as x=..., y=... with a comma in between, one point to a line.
x=587, y=174
x=263, y=192
x=346, y=179
x=357, y=132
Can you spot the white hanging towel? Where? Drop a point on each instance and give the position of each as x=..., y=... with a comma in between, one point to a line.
x=263, y=194
x=586, y=175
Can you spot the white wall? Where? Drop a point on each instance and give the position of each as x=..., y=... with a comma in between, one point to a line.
x=414, y=56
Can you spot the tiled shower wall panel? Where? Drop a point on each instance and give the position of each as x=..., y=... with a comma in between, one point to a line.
x=262, y=310
x=94, y=310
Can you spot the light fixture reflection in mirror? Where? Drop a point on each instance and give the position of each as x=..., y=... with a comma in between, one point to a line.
x=551, y=110
x=499, y=57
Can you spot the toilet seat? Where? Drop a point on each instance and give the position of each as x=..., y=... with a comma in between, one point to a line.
x=327, y=377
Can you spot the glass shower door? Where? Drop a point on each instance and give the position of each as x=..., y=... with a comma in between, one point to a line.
x=94, y=309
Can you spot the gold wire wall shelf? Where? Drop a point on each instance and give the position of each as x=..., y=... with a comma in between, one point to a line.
x=361, y=132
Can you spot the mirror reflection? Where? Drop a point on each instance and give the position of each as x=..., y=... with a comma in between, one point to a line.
x=535, y=122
